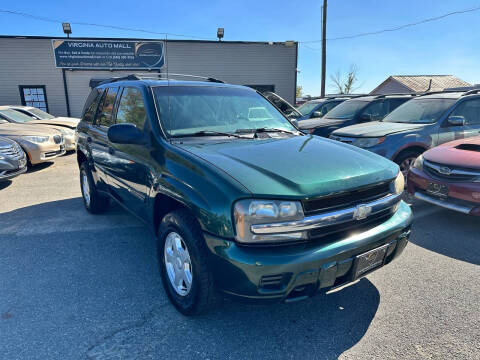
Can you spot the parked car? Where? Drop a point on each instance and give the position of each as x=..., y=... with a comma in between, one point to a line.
x=421, y=123
x=320, y=107
x=449, y=176
x=14, y=116
x=358, y=110
x=39, y=142
x=46, y=118
x=242, y=205
x=13, y=161
x=283, y=105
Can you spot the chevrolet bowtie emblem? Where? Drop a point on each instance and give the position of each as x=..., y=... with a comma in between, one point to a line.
x=361, y=212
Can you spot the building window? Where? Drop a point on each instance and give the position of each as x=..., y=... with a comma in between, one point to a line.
x=34, y=95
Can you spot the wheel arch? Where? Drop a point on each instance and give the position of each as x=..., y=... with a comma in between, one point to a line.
x=418, y=148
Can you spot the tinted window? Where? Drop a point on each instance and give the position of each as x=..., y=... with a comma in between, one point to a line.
x=91, y=105
x=470, y=110
x=306, y=108
x=375, y=110
x=104, y=115
x=394, y=103
x=346, y=110
x=328, y=106
x=420, y=111
x=131, y=108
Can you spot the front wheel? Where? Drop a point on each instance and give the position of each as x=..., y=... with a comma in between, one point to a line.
x=405, y=161
x=182, y=256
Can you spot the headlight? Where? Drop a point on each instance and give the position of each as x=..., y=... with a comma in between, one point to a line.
x=249, y=212
x=399, y=183
x=368, y=142
x=418, y=164
x=36, y=139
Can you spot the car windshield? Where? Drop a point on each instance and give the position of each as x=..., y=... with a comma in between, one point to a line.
x=346, y=110
x=187, y=110
x=307, y=108
x=41, y=114
x=14, y=115
x=419, y=111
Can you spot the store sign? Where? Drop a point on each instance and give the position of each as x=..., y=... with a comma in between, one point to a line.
x=108, y=54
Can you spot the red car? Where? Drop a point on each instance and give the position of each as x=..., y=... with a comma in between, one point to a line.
x=449, y=176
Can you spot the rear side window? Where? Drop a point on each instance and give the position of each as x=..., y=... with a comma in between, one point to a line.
x=91, y=105
x=131, y=108
x=104, y=115
x=375, y=110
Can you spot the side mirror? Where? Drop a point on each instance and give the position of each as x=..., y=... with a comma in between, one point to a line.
x=125, y=134
x=294, y=122
x=456, y=120
x=317, y=114
x=365, y=117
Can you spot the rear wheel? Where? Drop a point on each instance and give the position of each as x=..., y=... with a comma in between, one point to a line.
x=94, y=202
x=182, y=256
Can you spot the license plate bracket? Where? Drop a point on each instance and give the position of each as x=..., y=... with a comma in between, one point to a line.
x=437, y=190
x=369, y=261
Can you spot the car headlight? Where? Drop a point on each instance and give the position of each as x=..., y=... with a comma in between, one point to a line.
x=418, y=164
x=399, y=183
x=250, y=211
x=368, y=142
x=36, y=139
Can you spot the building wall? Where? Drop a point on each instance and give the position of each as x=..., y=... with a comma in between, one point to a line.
x=31, y=62
x=392, y=86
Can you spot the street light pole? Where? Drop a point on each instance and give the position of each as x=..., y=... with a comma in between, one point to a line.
x=324, y=47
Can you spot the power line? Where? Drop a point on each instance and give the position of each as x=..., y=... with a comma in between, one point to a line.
x=394, y=28
x=11, y=12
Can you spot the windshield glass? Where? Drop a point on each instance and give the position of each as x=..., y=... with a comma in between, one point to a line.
x=419, y=111
x=346, y=110
x=41, y=114
x=15, y=115
x=185, y=110
x=307, y=108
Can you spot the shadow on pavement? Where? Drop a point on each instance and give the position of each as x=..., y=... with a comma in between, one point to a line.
x=5, y=183
x=38, y=167
x=439, y=230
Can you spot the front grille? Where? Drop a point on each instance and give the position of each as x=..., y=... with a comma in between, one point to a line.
x=52, y=153
x=347, y=199
x=57, y=139
x=449, y=173
x=12, y=151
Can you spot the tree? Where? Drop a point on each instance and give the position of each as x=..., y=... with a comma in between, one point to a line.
x=298, y=93
x=345, y=85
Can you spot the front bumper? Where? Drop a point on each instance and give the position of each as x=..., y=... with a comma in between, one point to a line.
x=38, y=153
x=70, y=143
x=9, y=168
x=289, y=273
x=462, y=197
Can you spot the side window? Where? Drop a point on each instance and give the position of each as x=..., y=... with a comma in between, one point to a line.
x=470, y=110
x=91, y=105
x=104, y=115
x=375, y=110
x=328, y=106
x=131, y=108
x=394, y=103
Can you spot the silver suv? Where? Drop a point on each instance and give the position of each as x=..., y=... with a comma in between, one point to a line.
x=13, y=161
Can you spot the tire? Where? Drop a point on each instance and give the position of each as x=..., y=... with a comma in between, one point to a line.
x=406, y=159
x=94, y=202
x=180, y=230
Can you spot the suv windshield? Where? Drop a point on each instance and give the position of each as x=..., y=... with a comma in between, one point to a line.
x=346, y=110
x=306, y=108
x=419, y=111
x=187, y=110
x=41, y=114
x=15, y=115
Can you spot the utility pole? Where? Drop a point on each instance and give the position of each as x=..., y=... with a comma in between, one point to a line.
x=324, y=47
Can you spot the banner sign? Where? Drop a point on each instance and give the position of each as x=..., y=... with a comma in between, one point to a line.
x=108, y=54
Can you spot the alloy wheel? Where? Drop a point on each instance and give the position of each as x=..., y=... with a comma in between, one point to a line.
x=406, y=164
x=85, y=188
x=178, y=264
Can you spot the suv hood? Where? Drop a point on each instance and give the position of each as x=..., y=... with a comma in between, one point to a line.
x=299, y=166
x=14, y=129
x=462, y=153
x=376, y=129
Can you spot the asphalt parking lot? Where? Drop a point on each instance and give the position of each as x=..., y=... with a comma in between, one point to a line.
x=79, y=286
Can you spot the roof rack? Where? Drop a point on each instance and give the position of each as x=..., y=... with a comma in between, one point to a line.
x=445, y=91
x=393, y=94
x=144, y=76
x=350, y=96
x=470, y=92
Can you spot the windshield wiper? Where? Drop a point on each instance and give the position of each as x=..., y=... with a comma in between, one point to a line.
x=207, y=133
x=255, y=131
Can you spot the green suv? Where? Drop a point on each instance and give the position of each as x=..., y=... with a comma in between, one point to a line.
x=240, y=201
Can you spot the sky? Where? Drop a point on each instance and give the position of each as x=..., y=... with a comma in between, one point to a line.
x=446, y=46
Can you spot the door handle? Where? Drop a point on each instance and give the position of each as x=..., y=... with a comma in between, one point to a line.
x=111, y=150
x=89, y=139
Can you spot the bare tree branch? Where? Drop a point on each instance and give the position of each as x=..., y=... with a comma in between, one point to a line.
x=345, y=85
